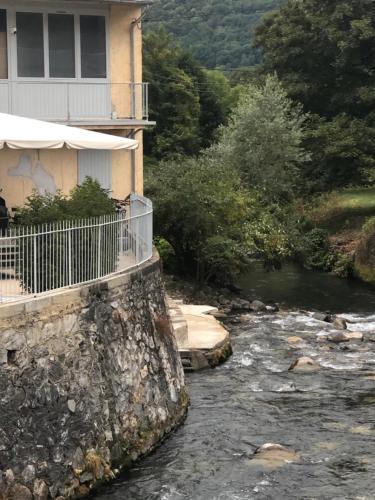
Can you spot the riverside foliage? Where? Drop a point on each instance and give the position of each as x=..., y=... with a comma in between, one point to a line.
x=323, y=51
x=222, y=208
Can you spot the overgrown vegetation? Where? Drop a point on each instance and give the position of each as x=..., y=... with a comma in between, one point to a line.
x=221, y=208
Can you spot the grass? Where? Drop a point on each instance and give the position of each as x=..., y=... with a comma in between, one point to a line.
x=344, y=211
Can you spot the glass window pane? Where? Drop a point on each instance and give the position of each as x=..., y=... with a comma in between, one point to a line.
x=30, y=50
x=93, y=47
x=3, y=45
x=61, y=46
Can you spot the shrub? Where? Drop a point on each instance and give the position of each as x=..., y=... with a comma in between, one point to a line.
x=64, y=257
x=364, y=264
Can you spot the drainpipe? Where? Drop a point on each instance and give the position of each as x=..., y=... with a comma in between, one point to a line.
x=134, y=24
x=133, y=27
x=133, y=167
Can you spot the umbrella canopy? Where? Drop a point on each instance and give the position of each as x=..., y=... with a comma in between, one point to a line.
x=25, y=133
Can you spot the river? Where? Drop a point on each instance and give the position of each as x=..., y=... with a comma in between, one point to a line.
x=327, y=416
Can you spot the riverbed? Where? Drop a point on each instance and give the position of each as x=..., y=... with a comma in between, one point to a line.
x=326, y=416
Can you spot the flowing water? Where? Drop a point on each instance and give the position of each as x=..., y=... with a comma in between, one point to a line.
x=327, y=416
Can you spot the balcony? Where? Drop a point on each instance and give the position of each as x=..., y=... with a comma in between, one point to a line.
x=76, y=102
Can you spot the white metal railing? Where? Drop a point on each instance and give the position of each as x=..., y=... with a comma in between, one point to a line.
x=36, y=260
x=74, y=101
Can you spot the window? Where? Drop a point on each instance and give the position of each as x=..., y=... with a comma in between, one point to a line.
x=61, y=46
x=3, y=45
x=30, y=44
x=54, y=37
x=93, y=47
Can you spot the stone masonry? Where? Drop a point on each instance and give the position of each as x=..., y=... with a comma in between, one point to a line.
x=90, y=380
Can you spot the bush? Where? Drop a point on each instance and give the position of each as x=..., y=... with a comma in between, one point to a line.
x=364, y=265
x=313, y=250
x=64, y=257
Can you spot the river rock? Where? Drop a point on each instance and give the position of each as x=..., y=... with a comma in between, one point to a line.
x=240, y=305
x=347, y=336
x=304, y=364
x=293, y=341
x=258, y=306
x=40, y=490
x=274, y=308
x=20, y=492
x=275, y=455
x=322, y=317
x=339, y=324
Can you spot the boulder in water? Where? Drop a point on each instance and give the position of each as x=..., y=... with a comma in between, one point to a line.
x=304, y=364
x=240, y=305
x=340, y=324
x=258, y=306
x=275, y=455
x=294, y=341
x=347, y=336
x=322, y=317
x=274, y=308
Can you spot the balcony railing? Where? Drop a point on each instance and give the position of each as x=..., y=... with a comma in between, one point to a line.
x=74, y=101
x=41, y=259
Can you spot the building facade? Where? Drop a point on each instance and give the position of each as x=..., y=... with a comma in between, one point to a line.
x=78, y=64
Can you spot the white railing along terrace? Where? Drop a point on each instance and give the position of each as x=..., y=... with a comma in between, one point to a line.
x=36, y=260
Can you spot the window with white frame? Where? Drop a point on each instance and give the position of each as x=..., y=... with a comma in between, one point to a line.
x=3, y=45
x=47, y=46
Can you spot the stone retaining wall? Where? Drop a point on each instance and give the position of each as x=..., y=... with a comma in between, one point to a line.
x=90, y=379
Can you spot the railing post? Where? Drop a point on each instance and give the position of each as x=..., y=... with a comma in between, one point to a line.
x=35, y=265
x=99, y=248
x=70, y=255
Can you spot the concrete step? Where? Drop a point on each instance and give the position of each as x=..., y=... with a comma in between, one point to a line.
x=179, y=323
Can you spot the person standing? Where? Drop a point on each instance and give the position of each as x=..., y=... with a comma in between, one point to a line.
x=4, y=215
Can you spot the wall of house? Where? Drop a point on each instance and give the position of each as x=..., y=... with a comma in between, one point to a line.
x=21, y=171
x=90, y=379
x=120, y=26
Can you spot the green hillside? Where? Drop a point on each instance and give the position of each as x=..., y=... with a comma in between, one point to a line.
x=218, y=31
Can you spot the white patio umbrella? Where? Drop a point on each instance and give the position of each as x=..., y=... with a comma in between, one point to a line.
x=18, y=132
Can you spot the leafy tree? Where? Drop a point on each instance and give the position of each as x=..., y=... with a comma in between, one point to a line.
x=187, y=102
x=324, y=53
x=198, y=209
x=217, y=210
x=263, y=141
x=174, y=103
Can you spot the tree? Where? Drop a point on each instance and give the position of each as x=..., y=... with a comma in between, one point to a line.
x=187, y=102
x=199, y=208
x=174, y=103
x=263, y=141
x=220, y=208
x=218, y=32
x=324, y=53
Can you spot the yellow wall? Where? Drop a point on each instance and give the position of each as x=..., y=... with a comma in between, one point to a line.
x=59, y=167
x=120, y=26
x=121, y=168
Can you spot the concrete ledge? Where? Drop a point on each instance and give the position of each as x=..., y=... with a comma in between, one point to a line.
x=78, y=294
x=202, y=341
